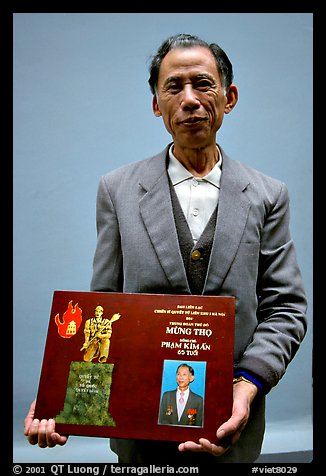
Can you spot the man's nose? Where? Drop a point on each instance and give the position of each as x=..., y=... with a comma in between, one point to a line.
x=190, y=100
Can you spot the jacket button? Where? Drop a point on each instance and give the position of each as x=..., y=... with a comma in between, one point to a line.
x=195, y=255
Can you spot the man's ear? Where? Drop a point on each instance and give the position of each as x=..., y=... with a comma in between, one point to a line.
x=231, y=98
x=156, y=108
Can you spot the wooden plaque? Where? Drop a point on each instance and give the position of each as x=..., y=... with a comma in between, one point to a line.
x=111, y=361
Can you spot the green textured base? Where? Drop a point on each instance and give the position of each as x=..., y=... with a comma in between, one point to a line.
x=88, y=394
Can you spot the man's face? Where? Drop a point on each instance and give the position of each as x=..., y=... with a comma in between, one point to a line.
x=190, y=97
x=184, y=377
x=98, y=312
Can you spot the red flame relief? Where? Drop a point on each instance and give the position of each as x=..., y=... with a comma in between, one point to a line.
x=70, y=324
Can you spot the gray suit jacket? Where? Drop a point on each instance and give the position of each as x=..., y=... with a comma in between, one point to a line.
x=252, y=257
x=169, y=411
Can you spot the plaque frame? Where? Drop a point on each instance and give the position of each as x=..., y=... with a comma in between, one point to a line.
x=152, y=335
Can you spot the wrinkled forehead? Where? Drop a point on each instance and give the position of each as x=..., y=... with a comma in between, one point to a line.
x=193, y=61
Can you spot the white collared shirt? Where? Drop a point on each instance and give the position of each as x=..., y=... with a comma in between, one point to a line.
x=181, y=406
x=198, y=197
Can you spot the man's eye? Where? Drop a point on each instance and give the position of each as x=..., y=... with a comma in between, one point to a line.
x=203, y=85
x=174, y=87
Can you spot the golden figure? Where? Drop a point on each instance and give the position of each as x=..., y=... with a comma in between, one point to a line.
x=98, y=331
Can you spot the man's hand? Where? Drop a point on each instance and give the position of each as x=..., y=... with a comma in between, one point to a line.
x=229, y=432
x=115, y=317
x=41, y=432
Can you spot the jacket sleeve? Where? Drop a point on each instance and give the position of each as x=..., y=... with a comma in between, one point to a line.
x=281, y=312
x=107, y=262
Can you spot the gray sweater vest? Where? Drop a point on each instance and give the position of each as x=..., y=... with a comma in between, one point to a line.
x=195, y=258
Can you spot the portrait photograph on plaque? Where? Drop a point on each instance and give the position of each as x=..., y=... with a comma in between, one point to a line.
x=142, y=366
x=184, y=404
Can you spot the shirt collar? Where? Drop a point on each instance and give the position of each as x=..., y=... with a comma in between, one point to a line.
x=178, y=173
x=185, y=392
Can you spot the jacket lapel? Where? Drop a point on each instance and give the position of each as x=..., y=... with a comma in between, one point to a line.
x=157, y=214
x=233, y=209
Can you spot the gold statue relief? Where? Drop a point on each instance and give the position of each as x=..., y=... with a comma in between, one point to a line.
x=98, y=331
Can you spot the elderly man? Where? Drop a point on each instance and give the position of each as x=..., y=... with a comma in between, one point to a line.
x=191, y=220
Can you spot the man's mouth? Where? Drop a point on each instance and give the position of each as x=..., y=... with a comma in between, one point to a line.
x=193, y=120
